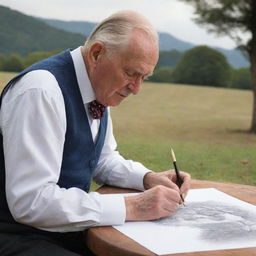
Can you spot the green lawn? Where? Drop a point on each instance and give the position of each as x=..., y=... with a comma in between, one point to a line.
x=206, y=126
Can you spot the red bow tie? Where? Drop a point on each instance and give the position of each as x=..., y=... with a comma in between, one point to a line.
x=96, y=109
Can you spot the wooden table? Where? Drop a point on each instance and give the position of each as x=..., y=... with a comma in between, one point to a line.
x=107, y=241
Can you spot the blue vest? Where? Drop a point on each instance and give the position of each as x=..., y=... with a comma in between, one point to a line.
x=80, y=155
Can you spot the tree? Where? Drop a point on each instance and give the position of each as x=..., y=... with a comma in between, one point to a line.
x=231, y=17
x=203, y=66
x=37, y=56
x=13, y=63
x=162, y=75
x=241, y=79
x=2, y=62
x=168, y=58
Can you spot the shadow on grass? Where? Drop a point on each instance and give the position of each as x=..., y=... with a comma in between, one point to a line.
x=241, y=131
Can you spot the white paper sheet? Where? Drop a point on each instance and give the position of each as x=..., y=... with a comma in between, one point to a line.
x=211, y=220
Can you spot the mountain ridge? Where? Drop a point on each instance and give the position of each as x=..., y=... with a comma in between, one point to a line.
x=167, y=41
x=23, y=34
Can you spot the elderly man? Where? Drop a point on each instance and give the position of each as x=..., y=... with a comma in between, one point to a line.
x=57, y=136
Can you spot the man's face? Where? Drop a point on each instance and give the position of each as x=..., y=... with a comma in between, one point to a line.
x=115, y=78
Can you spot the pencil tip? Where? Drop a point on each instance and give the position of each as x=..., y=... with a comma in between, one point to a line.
x=173, y=155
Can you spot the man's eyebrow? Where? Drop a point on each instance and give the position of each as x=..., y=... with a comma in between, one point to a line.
x=140, y=71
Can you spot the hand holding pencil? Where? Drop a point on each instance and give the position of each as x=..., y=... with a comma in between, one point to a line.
x=161, y=197
x=170, y=180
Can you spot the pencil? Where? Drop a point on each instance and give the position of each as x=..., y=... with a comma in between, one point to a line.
x=179, y=180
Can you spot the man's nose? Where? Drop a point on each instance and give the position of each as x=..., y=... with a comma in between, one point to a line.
x=135, y=86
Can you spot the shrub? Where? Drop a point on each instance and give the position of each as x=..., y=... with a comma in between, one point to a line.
x=241, y=79
x=13, y=63
x=203, y=66
x=163, y=74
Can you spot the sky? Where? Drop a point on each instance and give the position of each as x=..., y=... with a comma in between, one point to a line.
x=171, y=16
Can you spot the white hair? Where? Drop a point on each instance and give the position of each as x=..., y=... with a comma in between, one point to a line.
x=115, y=30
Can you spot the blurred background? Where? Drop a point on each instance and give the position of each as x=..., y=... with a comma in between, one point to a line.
x=200, y=97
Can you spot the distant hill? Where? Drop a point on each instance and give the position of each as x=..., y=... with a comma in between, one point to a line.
x=234, y=57
x=23, y=34
x=81, y=27
x=167, y=42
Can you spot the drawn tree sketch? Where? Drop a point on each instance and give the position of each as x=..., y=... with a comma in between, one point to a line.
x=216, y=221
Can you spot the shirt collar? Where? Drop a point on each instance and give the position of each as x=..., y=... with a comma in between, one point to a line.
x=84, y=83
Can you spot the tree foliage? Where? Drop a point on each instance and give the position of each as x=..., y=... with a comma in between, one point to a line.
x=232, y=18
x=168, y=58
x=16, y=63
x=2, y=62
x=202, y=66
x=224, y=17
x=13, y=63
x=241, y=79
x=33, y=57
x=162, y=75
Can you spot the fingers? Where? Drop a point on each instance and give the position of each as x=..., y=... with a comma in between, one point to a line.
x=168, y=179
x=169, y=209
x=154, y=203
x=170, y=184
x=186, y=183
x=169, y=201
x=153, y=179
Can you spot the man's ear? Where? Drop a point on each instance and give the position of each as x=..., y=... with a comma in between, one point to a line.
x=95, y=52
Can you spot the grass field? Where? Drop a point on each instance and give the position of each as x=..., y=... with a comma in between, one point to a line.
x=207, y=127
x=5, y=77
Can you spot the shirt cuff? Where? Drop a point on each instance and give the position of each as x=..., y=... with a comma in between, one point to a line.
x=113, y=210
x=138, y=177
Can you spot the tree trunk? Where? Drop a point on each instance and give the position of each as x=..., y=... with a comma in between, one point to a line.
x=253, y=71
x=253, y=62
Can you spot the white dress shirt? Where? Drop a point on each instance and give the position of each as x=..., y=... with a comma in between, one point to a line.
x=33, y=124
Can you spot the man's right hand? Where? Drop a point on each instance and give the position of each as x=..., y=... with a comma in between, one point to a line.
x=154, y=203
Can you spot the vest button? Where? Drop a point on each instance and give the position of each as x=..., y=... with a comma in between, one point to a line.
x=91, y=163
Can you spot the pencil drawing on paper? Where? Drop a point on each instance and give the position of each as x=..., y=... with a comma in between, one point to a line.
x=216, y=221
